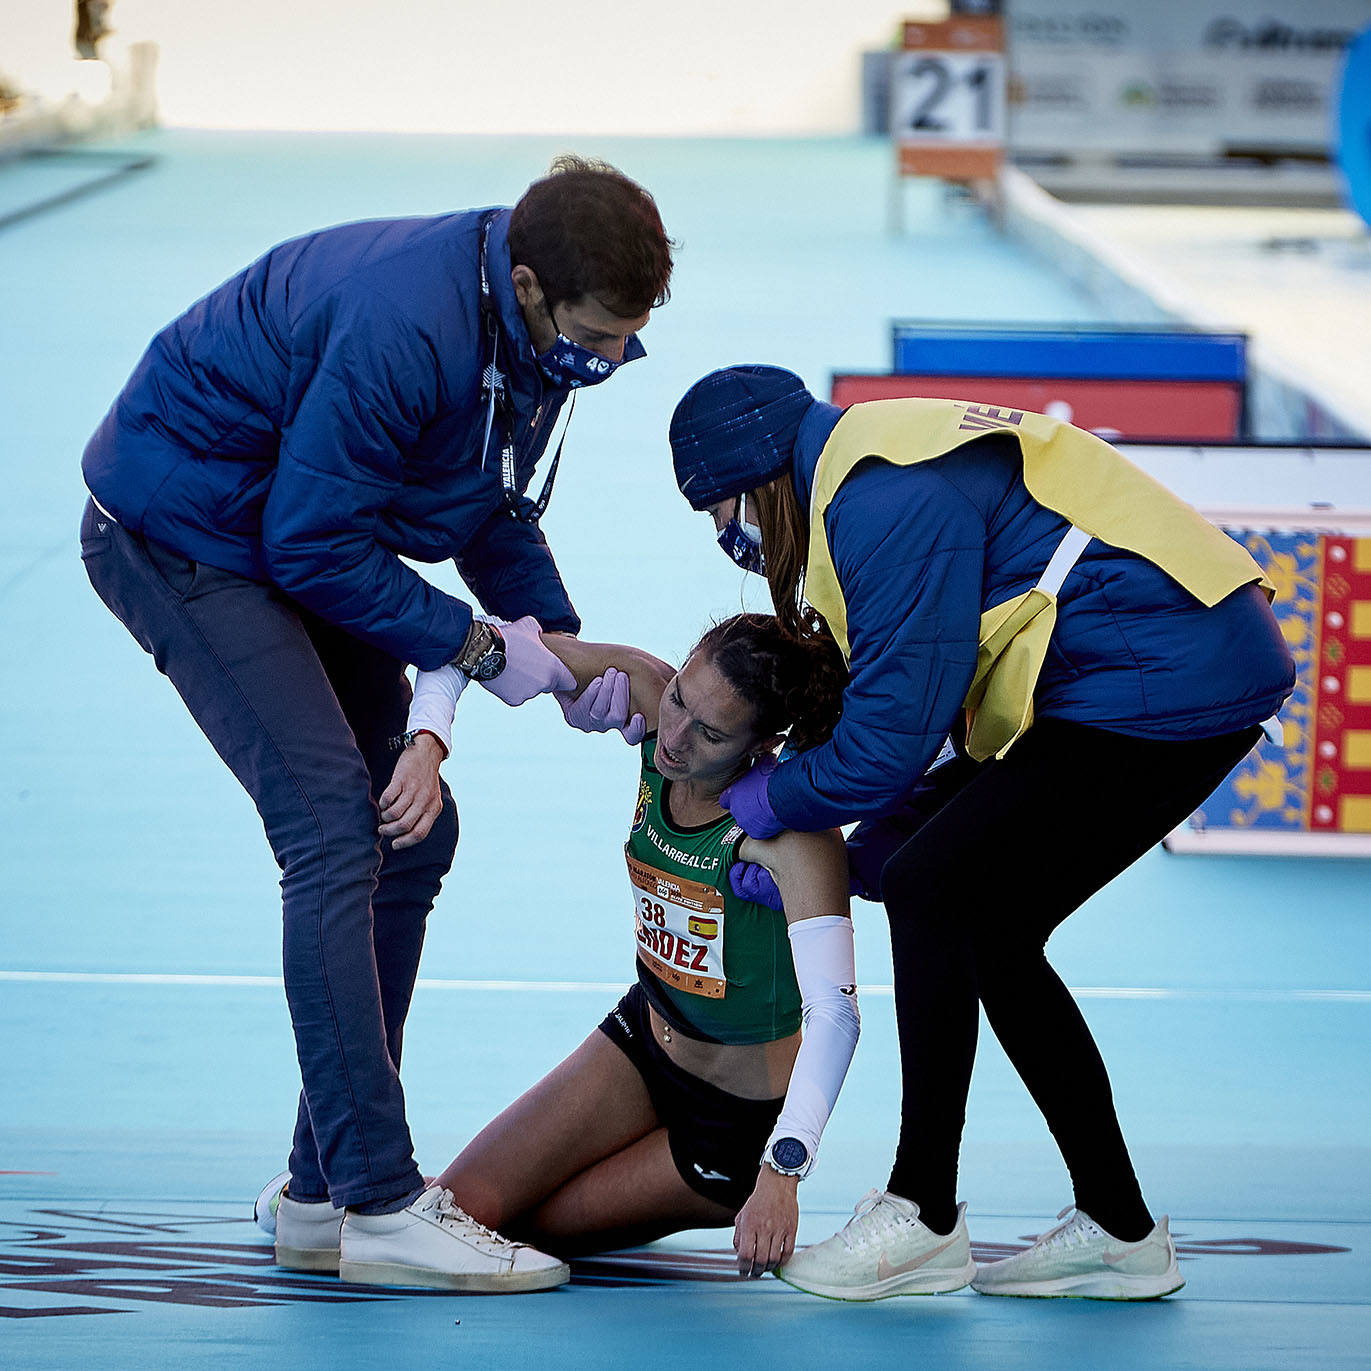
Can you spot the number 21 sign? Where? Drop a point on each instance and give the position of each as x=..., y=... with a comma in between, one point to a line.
x=947, y=99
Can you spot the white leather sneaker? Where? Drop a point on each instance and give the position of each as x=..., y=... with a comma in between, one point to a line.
x=1078, y=1259
x=884, y=1250
x=434, y=1243
x=307, y=1235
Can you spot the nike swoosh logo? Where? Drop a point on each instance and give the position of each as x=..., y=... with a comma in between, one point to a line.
x=884, y=1270
x=1114, y=1258
x=710, y=1175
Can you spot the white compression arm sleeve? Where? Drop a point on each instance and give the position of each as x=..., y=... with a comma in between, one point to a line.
x=435, y=702
x=826, y=969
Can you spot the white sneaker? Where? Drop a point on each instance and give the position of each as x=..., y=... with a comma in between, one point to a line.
x=307, y=1235
x=434, y=1243
x=264, y=1210
x=884, y=1250
x=1079, y=1259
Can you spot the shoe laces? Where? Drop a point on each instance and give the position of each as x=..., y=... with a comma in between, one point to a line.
x=446, y=1207
x=874, y=1216
x=1075, y=1232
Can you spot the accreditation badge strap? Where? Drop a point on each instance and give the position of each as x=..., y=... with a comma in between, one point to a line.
x=497, y=399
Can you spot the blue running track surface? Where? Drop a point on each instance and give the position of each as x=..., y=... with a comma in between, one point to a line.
x=147, y=1080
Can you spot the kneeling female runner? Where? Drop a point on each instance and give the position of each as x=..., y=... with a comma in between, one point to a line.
x=697, y=1103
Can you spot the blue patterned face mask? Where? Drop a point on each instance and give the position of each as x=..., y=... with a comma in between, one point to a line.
x=567, y=363
x=743, y=541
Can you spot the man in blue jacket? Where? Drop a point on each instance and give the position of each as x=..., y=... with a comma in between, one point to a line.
x=366, y=393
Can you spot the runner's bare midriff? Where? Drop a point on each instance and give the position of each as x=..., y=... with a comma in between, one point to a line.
x=751, y=1071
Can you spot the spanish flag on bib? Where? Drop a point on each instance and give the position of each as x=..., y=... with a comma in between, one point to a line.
x=1071, y=472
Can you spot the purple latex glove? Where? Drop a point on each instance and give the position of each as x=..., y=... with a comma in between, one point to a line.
x=753, y=882
x=603, y=705
x=747, y=801
x=530, y=669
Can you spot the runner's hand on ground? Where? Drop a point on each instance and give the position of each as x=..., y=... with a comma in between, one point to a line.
x=764, y=1231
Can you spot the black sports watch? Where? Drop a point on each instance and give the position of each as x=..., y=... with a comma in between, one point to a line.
x=483, y=654
x=790, y=1157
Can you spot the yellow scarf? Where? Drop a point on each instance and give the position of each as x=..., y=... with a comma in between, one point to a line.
x=1071, y=472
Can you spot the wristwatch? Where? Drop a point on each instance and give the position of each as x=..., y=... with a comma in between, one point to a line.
x=482, y=657
x=790, y=1157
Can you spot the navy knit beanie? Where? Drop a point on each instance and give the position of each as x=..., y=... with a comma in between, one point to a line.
x=735, y=430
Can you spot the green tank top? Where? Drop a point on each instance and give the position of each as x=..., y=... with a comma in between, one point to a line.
x=712, y=965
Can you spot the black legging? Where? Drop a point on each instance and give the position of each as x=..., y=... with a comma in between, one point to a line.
x=972, y=898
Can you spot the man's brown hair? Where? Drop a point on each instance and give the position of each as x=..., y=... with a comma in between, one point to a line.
x=587, y=229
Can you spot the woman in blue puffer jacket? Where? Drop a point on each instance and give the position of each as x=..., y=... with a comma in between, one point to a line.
x=361, y=395
x=1053, y=661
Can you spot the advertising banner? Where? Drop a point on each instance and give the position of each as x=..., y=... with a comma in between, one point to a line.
x=1310, y=795
x=1166, y=411
x=1196, y=77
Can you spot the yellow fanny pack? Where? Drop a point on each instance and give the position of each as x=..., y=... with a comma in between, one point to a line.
x=1010, y=654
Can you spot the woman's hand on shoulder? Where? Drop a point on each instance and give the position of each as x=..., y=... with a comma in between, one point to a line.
x=808, y=872
x=764, y=1231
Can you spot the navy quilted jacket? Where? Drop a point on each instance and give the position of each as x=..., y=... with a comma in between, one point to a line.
x=318, y=417
x=922, y=551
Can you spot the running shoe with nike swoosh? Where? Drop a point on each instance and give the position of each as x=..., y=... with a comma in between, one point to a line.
x=264, y=1210
x=884, y=1250
x=1079, y=1260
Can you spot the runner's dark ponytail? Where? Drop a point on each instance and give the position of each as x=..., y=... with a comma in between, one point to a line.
x=795, y=684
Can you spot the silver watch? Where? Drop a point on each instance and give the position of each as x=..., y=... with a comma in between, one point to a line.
x=483, y=654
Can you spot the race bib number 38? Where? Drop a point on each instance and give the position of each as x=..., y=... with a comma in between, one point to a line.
x=680, y=930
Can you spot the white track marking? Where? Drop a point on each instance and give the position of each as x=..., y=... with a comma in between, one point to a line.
x=1092, y=992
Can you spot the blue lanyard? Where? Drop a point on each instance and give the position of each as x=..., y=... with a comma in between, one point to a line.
x=496, y=396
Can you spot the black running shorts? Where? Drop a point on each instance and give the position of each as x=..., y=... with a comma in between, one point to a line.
x=716, y=1139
